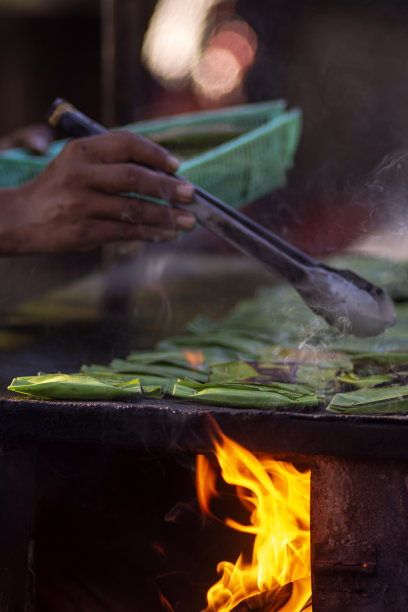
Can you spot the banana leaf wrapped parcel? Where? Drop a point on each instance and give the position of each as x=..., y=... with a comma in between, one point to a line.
x=387, y=400
x=278, y=395
x=75, y=386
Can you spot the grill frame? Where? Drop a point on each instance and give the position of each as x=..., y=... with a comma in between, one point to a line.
x=167, y=424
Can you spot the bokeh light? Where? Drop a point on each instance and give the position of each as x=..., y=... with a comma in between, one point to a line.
x=173, y=41
x=217, y=73
x=229, y=53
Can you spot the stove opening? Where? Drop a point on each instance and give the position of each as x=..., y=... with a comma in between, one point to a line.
x=274, y=571
x=121, y=529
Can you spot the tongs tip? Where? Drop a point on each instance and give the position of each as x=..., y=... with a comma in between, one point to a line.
x=344, y=303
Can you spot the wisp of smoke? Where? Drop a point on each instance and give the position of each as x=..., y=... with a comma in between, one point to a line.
x=386, y=190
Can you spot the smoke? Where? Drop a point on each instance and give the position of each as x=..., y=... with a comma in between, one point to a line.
x=386, y=190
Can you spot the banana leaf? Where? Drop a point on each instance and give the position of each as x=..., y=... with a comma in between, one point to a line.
x=201, y=324
x=388, y=358
x=242, y=343
x=234, y=371
x=350, y=378
x=322, y=379
x=385, y=400
x=272, y=372
x=99, y=369
x=241, y=395
x=172, y=357
x=164, y=370
x=155, y=390
x=189, y=141
x=75, y=386
x=308, y=356
x=159, y=385
x=201, y=357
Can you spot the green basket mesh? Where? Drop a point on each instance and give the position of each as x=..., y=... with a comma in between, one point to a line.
x=238, y=171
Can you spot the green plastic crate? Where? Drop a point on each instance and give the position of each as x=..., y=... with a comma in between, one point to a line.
x=238, y=171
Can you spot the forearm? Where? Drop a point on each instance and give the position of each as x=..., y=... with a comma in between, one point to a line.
x=11, y=240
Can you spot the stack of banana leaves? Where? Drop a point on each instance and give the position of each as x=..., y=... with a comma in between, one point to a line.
x=269, y=352
x=189, y=141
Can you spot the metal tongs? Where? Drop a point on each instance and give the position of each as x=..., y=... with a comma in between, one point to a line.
x=344, y=299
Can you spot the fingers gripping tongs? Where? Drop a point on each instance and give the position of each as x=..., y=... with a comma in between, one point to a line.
x=341, y=297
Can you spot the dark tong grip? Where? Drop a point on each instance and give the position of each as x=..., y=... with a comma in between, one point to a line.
x=64, y=115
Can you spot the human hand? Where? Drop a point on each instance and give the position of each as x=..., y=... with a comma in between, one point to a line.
x=36, y=138
x=77, y=202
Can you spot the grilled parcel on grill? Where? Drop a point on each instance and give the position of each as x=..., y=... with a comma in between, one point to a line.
x=341, y=297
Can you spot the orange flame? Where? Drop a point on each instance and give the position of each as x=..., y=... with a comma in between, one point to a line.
x=205, y=483
x=278, y=496
x=195, y=359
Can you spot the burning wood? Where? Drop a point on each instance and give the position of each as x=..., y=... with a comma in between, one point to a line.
x=277, y=496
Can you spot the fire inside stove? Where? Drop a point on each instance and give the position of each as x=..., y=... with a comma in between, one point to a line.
x=276, y=496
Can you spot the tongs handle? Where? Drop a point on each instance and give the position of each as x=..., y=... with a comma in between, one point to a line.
x=257, y=229
x=245, y=237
